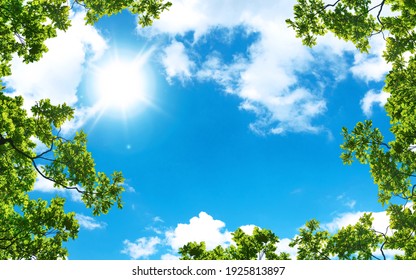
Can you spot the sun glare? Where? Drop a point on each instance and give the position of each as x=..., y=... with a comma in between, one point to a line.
x=120, y=85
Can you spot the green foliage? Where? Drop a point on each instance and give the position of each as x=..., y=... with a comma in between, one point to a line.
x=25, y=25
x=354, y=242
x=261, y=244
x=37, y=228
x=393, y=164
x=312, y=243
x=147, y=10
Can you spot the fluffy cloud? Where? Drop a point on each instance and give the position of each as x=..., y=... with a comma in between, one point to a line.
x=372, y=66
x=201, y=228
x=267, y=77
x=176, y=62
x=89, y=223
x=372, y=98
x=141, y=248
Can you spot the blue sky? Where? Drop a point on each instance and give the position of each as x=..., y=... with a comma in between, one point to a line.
x=222, y=119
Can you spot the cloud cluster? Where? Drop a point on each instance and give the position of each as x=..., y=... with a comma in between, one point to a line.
x=200, y=228
x=279, y=81
x=269, y=76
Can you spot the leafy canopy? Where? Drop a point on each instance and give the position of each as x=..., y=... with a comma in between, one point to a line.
x=32, y=228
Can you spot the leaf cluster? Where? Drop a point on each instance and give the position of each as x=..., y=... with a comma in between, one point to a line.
x=147, y=10
x=259, y=245
x=353, y=242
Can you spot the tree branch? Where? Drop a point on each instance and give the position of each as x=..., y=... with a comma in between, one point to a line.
x=10, y=141
x=53, y=180
x=331, y=5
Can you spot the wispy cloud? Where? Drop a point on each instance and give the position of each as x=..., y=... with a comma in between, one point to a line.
x=176, y=62
x=141, y=248
x=89, y=223
x=372, y=98
x=346, y=201
x=158, y=219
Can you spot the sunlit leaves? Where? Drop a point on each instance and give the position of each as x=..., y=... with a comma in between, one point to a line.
x=359, y=241
x=261, y=244
x=348, y=20
x=147, y=10
x=312, y=242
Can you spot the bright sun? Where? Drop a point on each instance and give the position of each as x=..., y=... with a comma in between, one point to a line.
x=120, y=85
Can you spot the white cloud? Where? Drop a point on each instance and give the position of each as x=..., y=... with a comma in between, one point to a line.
x=371, y=66
x=226, y=75
x=371, y=98
x=248, y=229
x=89, y=223
x=158, y=219
x=141, y=248
x=176, y=62
x=201, y=228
